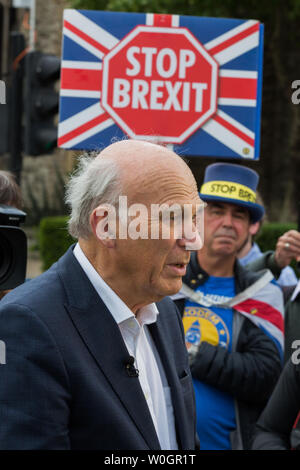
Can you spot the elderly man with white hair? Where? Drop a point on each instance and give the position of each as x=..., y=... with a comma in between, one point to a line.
x=95, y=353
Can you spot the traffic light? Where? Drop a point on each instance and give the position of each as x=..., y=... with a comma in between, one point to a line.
x=41, y=102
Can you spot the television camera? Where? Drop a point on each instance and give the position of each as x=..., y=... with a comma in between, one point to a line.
x=13, y=248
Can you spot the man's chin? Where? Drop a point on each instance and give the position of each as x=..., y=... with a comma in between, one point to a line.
x=226, y=249
x=172, y=288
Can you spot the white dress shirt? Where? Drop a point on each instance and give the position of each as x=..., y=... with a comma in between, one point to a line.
x=141, y=346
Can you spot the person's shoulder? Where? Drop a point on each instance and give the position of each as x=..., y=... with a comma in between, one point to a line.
x=247, y=273
x=263, y=280
x=43, y=291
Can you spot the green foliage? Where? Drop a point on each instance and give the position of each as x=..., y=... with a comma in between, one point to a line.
x=54, y=239
x=89, y=4
x=261, y=10
x=187, y=7
x=43, y=202
x=269, y=234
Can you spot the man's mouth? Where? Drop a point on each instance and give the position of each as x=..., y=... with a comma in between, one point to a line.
x=225, y=236
x=178, y=268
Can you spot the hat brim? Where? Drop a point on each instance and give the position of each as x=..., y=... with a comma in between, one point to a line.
x=256, y=210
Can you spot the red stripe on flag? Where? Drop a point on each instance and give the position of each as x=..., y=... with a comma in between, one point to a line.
x=81, y=79
x=262, y=310
x=234, y=130
x=85, y=127
x=162, y=20
x=234, y=39
x=84, y=36
x=239, y=88
x=297, y=421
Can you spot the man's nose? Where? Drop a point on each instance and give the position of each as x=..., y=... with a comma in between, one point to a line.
x=191, y=241
x=227, y=219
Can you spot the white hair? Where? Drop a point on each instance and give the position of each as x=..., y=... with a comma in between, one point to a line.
x=95, y=181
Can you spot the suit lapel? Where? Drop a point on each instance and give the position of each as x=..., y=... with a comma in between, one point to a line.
x=156, y=330
x=102, y=337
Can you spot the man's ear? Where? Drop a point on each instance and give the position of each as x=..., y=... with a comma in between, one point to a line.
x=103, y=224
x=254, y=228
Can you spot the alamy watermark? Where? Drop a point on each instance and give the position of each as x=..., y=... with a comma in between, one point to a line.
x=159, y=221
x=2, y=92
x=296, y=94
x=295, y=357
x=2, y=352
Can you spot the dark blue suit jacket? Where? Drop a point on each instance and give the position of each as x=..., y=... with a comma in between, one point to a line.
x=64, y=384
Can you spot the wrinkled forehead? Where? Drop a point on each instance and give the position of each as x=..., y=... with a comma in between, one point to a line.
x=161, y=175
x=165, y=184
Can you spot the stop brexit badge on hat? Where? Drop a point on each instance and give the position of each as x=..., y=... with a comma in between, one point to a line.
x=192, y=83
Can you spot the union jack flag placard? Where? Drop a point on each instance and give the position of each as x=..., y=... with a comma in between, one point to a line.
x=193, y=83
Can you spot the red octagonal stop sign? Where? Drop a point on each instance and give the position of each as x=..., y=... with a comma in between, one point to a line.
x=159, y=83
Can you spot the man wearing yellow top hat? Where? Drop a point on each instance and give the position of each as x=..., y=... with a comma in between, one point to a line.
x=233, y=318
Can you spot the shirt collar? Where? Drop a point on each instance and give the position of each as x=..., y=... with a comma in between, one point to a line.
x=252, y=254
x=116, y=306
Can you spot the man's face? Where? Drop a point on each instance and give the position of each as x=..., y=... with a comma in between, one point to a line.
x=154, y=266
x=226, y=227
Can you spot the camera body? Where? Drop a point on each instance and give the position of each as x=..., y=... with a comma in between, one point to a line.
x=13, y=248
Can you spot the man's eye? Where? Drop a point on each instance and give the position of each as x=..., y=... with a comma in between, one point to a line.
x=216, y=212
x=240, y=215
